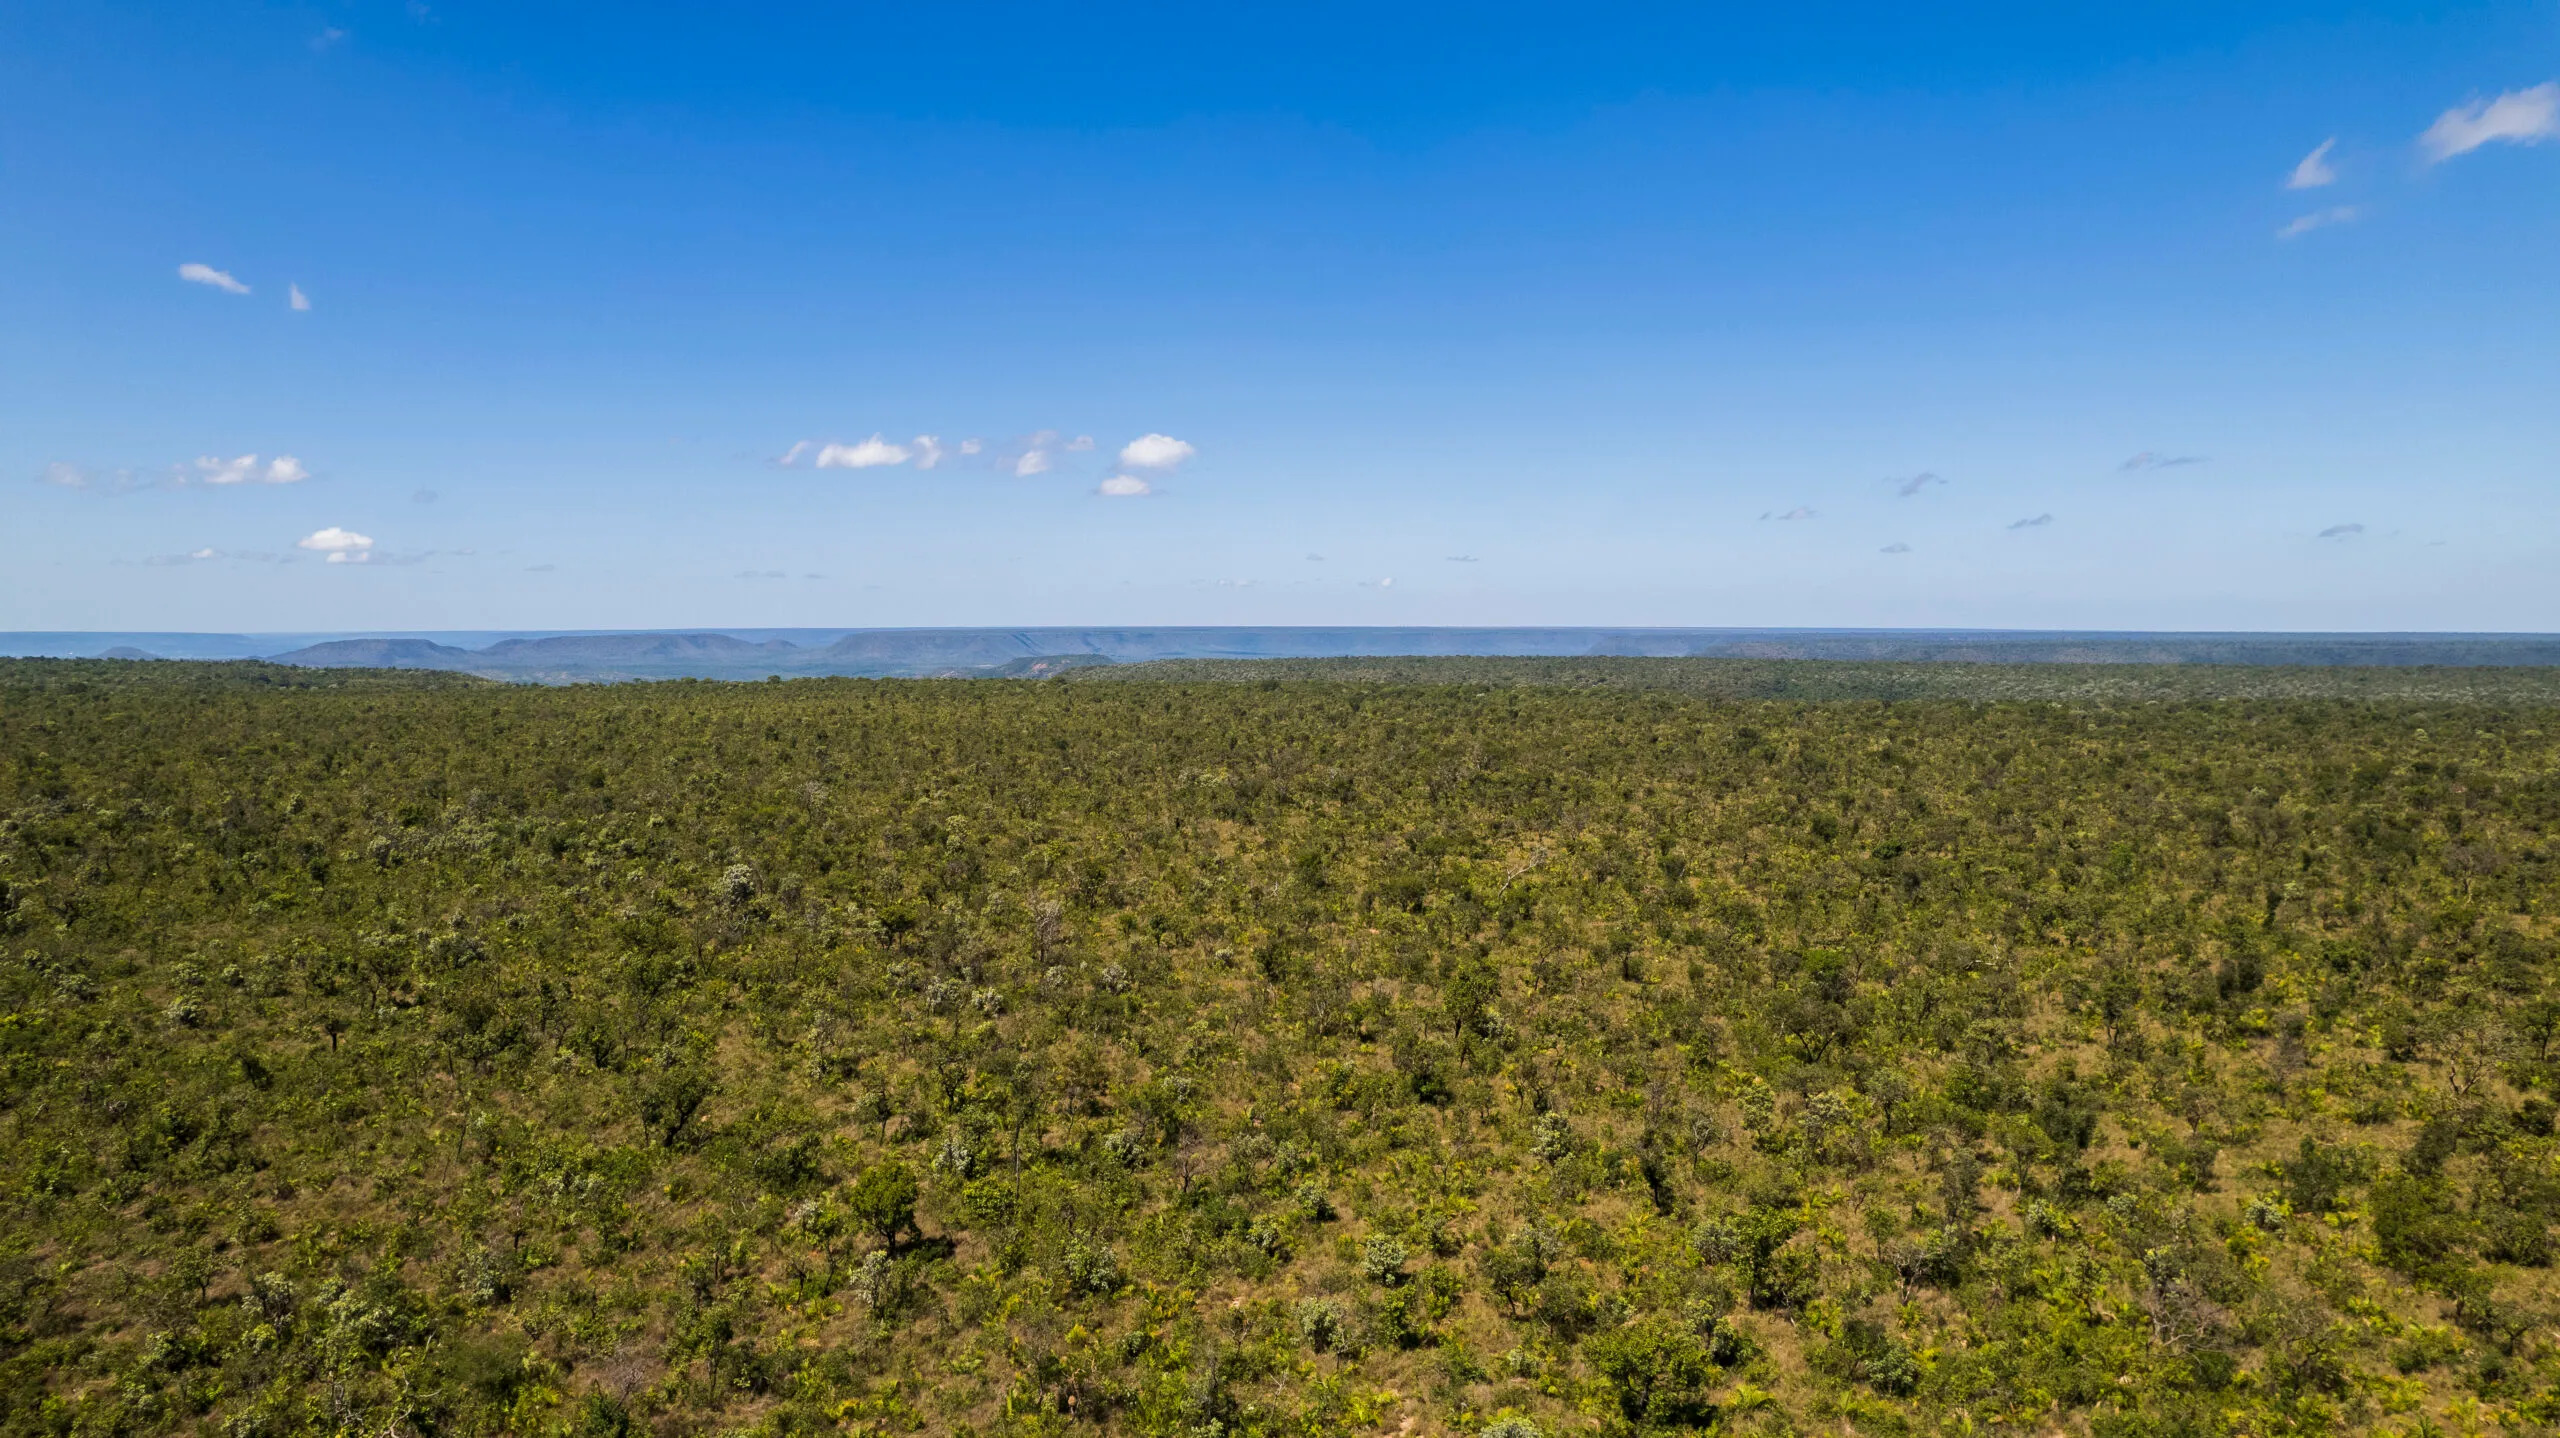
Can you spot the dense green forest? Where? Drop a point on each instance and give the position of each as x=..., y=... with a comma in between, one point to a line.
x=406, y=1055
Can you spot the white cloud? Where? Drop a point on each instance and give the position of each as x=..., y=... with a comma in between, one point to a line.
x=207, y=275
x=928, y=451
x=343, y=546
x=2519, y=117
x=1081, y=443
x=329, y=35
x=972, y=446
x=792, y=455
x=2305, y=224
x=66, y=476
x=2314, y=171
x=1155, y=451
x=2341, y=531
x=1124, y=486
x=869, y=454
x=294, y=296
x=1033, y=461
x=283, y=469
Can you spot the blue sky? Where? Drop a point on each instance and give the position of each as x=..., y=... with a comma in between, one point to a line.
x=1611, y=314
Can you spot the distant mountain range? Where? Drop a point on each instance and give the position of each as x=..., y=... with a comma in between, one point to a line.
x=753, y=654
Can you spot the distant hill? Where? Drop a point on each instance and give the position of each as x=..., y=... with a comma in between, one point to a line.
x=127, y=651
x=620, y=649
x=380, y=654
x=552, y=658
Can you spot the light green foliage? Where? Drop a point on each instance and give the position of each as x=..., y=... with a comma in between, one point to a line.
x=1575, y=1047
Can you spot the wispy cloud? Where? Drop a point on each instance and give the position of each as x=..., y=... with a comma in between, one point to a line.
x=929, y=451
x=2149, y=459
x=1155, y=451
x=1462, y=559
x=1906, y=487
x=2342, y=531
x=1033, y=461
x=2315, y=170
x=2033, y=522
x=64, y=475
x=343, y=546
x=972, y=446
x=2301, y=225
x=791, y=456
x=2518, y=117
x=1081, y=444
x=294, y=297
x=327, y=39
x=196, y=274
x=192, y=556
x=870, y=454
x=1897, y=547
x=1124, y=486
x=1799, y=512
x=761, y=574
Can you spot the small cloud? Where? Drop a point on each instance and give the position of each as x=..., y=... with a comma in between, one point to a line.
x=192, y=556
x=2037, y=522
x=791, y=456
x=1799, y=512
x=283, y=469
x=294, y=297
x=2341, y=531
x=1897, y=547
x=1033, y=461
x=327, y=39
x=870, y=454
x=2301, y=225
x=1905, y=488
x=928, y=451
x=2314, y=171
x=343, y=546
x=196, y=274
x=424, y=496
x=1124, y=486
x=1081, y=444
x=64, y=475
x=2518, y=117
x=1462, y=559
x=1315, y=559
x=1155, y=451
x=2150, y=460
x=761, y=574
x=972, y=446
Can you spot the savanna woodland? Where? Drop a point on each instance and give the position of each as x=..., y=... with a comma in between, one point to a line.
x=408, y=1055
